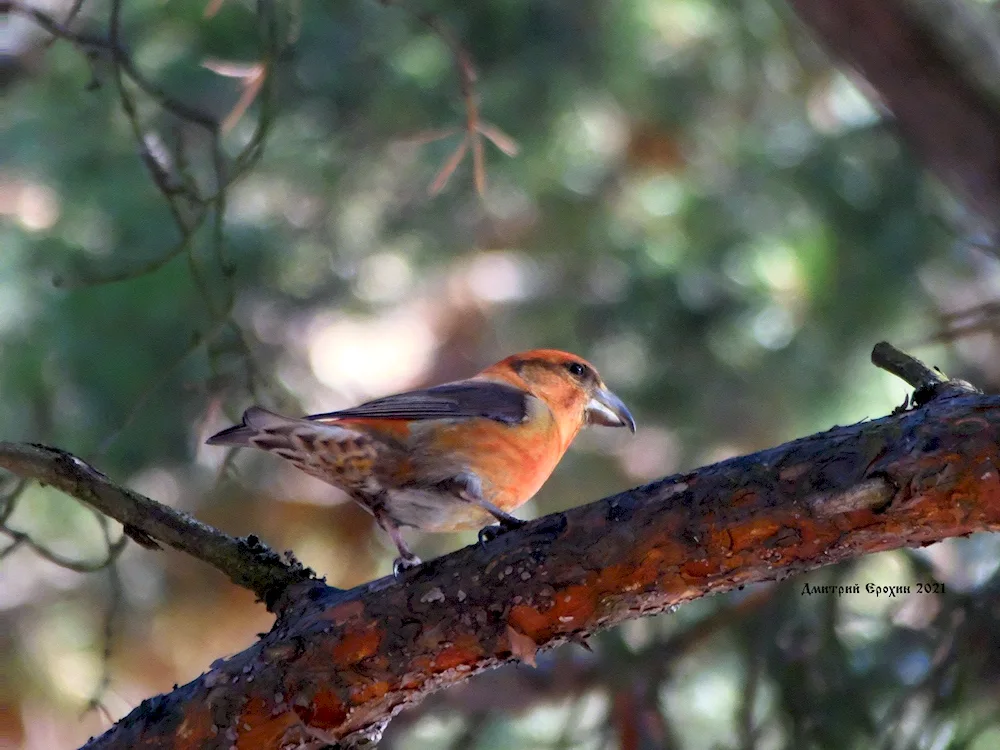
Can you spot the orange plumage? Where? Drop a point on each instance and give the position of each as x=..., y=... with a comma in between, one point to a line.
x=452, y=457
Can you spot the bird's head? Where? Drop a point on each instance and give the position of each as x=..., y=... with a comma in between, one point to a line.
x=569, y=385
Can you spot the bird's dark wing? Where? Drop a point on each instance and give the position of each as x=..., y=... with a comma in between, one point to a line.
x=469, y=398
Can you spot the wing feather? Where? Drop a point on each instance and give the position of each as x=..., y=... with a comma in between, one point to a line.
x=470, y=398
x=265, y=429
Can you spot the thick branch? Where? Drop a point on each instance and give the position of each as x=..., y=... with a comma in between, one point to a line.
x=339, y=664
x=930, y=61
x=247, y=562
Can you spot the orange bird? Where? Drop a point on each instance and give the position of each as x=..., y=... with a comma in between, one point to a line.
x=455, y=456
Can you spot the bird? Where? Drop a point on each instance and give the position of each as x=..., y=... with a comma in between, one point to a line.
x=452, y=457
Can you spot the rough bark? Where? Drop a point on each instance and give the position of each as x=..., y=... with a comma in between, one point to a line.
x=337, y=665
x=935, y=64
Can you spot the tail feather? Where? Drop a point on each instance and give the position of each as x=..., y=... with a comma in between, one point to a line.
x=255, y=421
x=338, y=455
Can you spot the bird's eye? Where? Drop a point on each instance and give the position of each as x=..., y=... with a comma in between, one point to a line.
x=576, y=369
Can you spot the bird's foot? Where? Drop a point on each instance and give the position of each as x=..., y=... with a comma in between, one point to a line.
x=401, y=564
x=509, y=523
x=489, y=533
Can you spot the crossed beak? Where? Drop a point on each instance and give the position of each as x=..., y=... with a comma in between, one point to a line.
x=606, y=408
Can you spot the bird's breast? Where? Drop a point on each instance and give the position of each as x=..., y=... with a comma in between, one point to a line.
x=511, y=461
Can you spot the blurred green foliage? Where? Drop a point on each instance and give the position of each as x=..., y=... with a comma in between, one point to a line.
x=673, y=192
x=701, y=204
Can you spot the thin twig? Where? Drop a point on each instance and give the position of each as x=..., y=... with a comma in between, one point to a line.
x=467, y=85
x=129, y=274
x=928, y=383
x=905, y=367
x=252, y=152
x=21, y=538
x=11, y=548
x=9, y=499
x=474, y=129
x=942, y=660
x=125, y=62
x=112, y=45
x=448, y=168
x=964, y=330
x=247, y=562
x=96, y=700
x=54, y=27
x=128, y=105
x=71, y=15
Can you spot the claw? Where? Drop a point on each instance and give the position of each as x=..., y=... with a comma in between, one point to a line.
x=506, y=523
x=401, y=564
x=488, y=533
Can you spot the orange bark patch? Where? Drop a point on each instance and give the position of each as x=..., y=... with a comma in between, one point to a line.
x=197, y=723
x=325, y=712
x=573, y=606
x=422, y=664
x=699, y=570
x=675, y=586
x=719, y=540
x=528, y=620
x=257, y=727
x=649, y=569
x=356, y=645
x=465, y=650
x=630, y=578
x=745, y=537
x=369, y=691
x=619, y=577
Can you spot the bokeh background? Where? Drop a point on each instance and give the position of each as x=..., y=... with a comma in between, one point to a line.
x=700, y=203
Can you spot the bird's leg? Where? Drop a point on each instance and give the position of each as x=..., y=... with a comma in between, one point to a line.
x=469, y=488
x=406, y=557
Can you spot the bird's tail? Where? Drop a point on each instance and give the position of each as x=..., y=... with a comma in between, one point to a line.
x=335, y=454
x=256, y=422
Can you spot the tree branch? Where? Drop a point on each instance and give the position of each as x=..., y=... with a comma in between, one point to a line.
x=247, y=562
x=935, y=64
x=928, y=383
x=337, y=665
